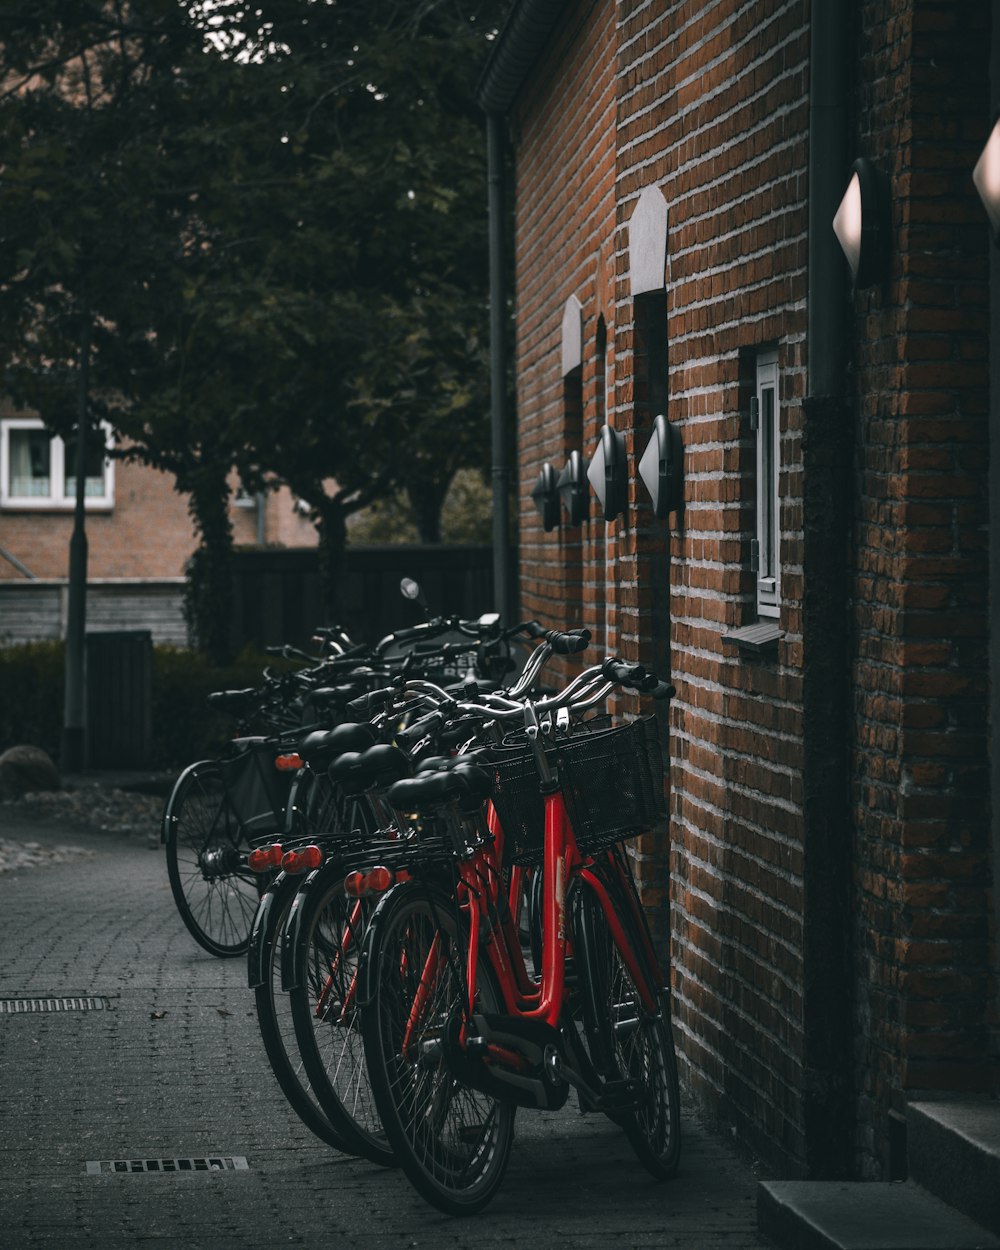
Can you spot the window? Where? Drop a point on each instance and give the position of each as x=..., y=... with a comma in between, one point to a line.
x=767, y=546
x=37, y=470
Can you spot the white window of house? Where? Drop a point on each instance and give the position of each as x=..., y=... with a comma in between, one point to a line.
x=37, y=470
x=768, y=544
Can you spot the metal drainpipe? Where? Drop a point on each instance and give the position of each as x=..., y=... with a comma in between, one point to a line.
x=827, y=462
x=498, y=370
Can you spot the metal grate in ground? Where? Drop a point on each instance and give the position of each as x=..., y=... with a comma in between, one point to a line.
x=212, y=1163
x=21, y=1006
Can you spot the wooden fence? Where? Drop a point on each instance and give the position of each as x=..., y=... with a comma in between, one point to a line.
x=278, y=593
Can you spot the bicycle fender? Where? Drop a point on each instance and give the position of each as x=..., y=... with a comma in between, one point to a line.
x=169, y=819
x=293, y=957
x=262, y=932
x=367, y=974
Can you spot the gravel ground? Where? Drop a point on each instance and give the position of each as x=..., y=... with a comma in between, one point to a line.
x=90, y=807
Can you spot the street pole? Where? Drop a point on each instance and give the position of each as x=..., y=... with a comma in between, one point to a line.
x=74, y=741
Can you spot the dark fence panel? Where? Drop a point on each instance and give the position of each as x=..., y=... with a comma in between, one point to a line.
x=278, y=599
x=119, y=699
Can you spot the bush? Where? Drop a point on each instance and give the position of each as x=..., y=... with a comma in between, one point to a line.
x=31, y=695
x=184, y=727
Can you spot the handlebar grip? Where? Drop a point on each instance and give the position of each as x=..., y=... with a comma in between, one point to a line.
x=412, y=734
x=568, y=643
x=365, y=706
x=663, y=690
x=624, y=673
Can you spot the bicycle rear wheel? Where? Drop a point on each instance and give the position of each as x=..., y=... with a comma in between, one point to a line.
x=452, y=1141
x=215, y=893
x=626, y=1041
x=326, y=1015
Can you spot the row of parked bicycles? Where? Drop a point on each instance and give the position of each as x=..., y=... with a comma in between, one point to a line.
x=422, y=857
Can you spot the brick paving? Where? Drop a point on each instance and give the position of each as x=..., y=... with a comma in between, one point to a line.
x=175, y=1069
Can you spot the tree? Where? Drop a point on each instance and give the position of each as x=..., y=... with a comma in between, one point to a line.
x=268, y=225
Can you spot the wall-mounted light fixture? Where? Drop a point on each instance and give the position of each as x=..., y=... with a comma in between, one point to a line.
x=546, y=497
x=986, y=177
x=661, y=468
x=573, y=490
x=861, y=224
x=608, y=473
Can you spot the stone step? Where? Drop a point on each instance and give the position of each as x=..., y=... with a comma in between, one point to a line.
x=953, y=1150
x=864, y=1215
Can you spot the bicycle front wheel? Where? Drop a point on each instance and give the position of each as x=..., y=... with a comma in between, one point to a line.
x=627, y=1042
x=215, y=893
x=274, y=1012
x=452, y=1141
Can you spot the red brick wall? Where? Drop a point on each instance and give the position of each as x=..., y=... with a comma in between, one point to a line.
x=146, y=534
x=712, y=110
x=564, y=229
x=926, y=995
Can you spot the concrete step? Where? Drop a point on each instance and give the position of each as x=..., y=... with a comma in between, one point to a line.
x=953, y=1150
x=864, y=1215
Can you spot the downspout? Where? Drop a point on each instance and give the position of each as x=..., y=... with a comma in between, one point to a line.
x=827, y=462
x=498, y=371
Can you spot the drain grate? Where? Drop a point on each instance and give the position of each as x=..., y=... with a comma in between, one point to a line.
x=213, y=1163
x=19, y=1006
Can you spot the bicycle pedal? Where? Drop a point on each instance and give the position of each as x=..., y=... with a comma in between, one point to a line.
x=622, y=1095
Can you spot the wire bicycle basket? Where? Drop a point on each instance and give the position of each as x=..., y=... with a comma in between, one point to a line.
x=611, y=780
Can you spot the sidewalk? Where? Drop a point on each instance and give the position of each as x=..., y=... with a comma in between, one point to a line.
x=147, y=1049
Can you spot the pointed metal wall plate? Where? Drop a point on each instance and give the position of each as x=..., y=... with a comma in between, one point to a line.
x=546, y=497
x=573, y=489
x=608, y=473
x=661, y=468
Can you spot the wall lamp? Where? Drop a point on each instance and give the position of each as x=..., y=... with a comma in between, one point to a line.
x=573, y=490
x=608, y=473
x=546, y=497
x=986, y=177
x=661, y=468
x=861, y=224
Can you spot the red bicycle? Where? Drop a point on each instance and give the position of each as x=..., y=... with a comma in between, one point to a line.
x=459, y=1028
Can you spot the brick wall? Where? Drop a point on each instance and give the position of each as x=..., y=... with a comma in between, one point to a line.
x=712, y=110
x=564, y=229
x=146, y=534
x=926, y=993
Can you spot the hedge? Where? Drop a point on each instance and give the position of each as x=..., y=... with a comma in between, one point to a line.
x=184, y=727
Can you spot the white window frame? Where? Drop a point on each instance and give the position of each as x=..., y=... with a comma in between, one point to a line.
x=768, y=497
x=60, y=457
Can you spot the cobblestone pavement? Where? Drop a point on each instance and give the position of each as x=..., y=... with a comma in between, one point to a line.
x=172, y=1067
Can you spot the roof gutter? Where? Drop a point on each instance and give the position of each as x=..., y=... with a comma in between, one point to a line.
x=517, y=47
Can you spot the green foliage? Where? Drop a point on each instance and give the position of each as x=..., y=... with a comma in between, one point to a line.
x=31, y=695
x=185, y=728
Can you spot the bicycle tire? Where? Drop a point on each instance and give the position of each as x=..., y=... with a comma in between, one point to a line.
x=626, y=1042
x=326, y=1016
x=452, y=1141
x=274, y=1015
x=216, y=896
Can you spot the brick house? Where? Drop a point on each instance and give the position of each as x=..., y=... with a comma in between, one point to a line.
x=139, y=536
x=820, y=595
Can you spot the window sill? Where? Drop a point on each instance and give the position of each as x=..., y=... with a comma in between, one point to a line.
x=761, y=638
x=55, y=505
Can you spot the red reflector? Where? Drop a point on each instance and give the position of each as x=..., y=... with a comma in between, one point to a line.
x=378, y=880
x=354, y=884
x=265, y=858
x=288, y=763
x=302, y=861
